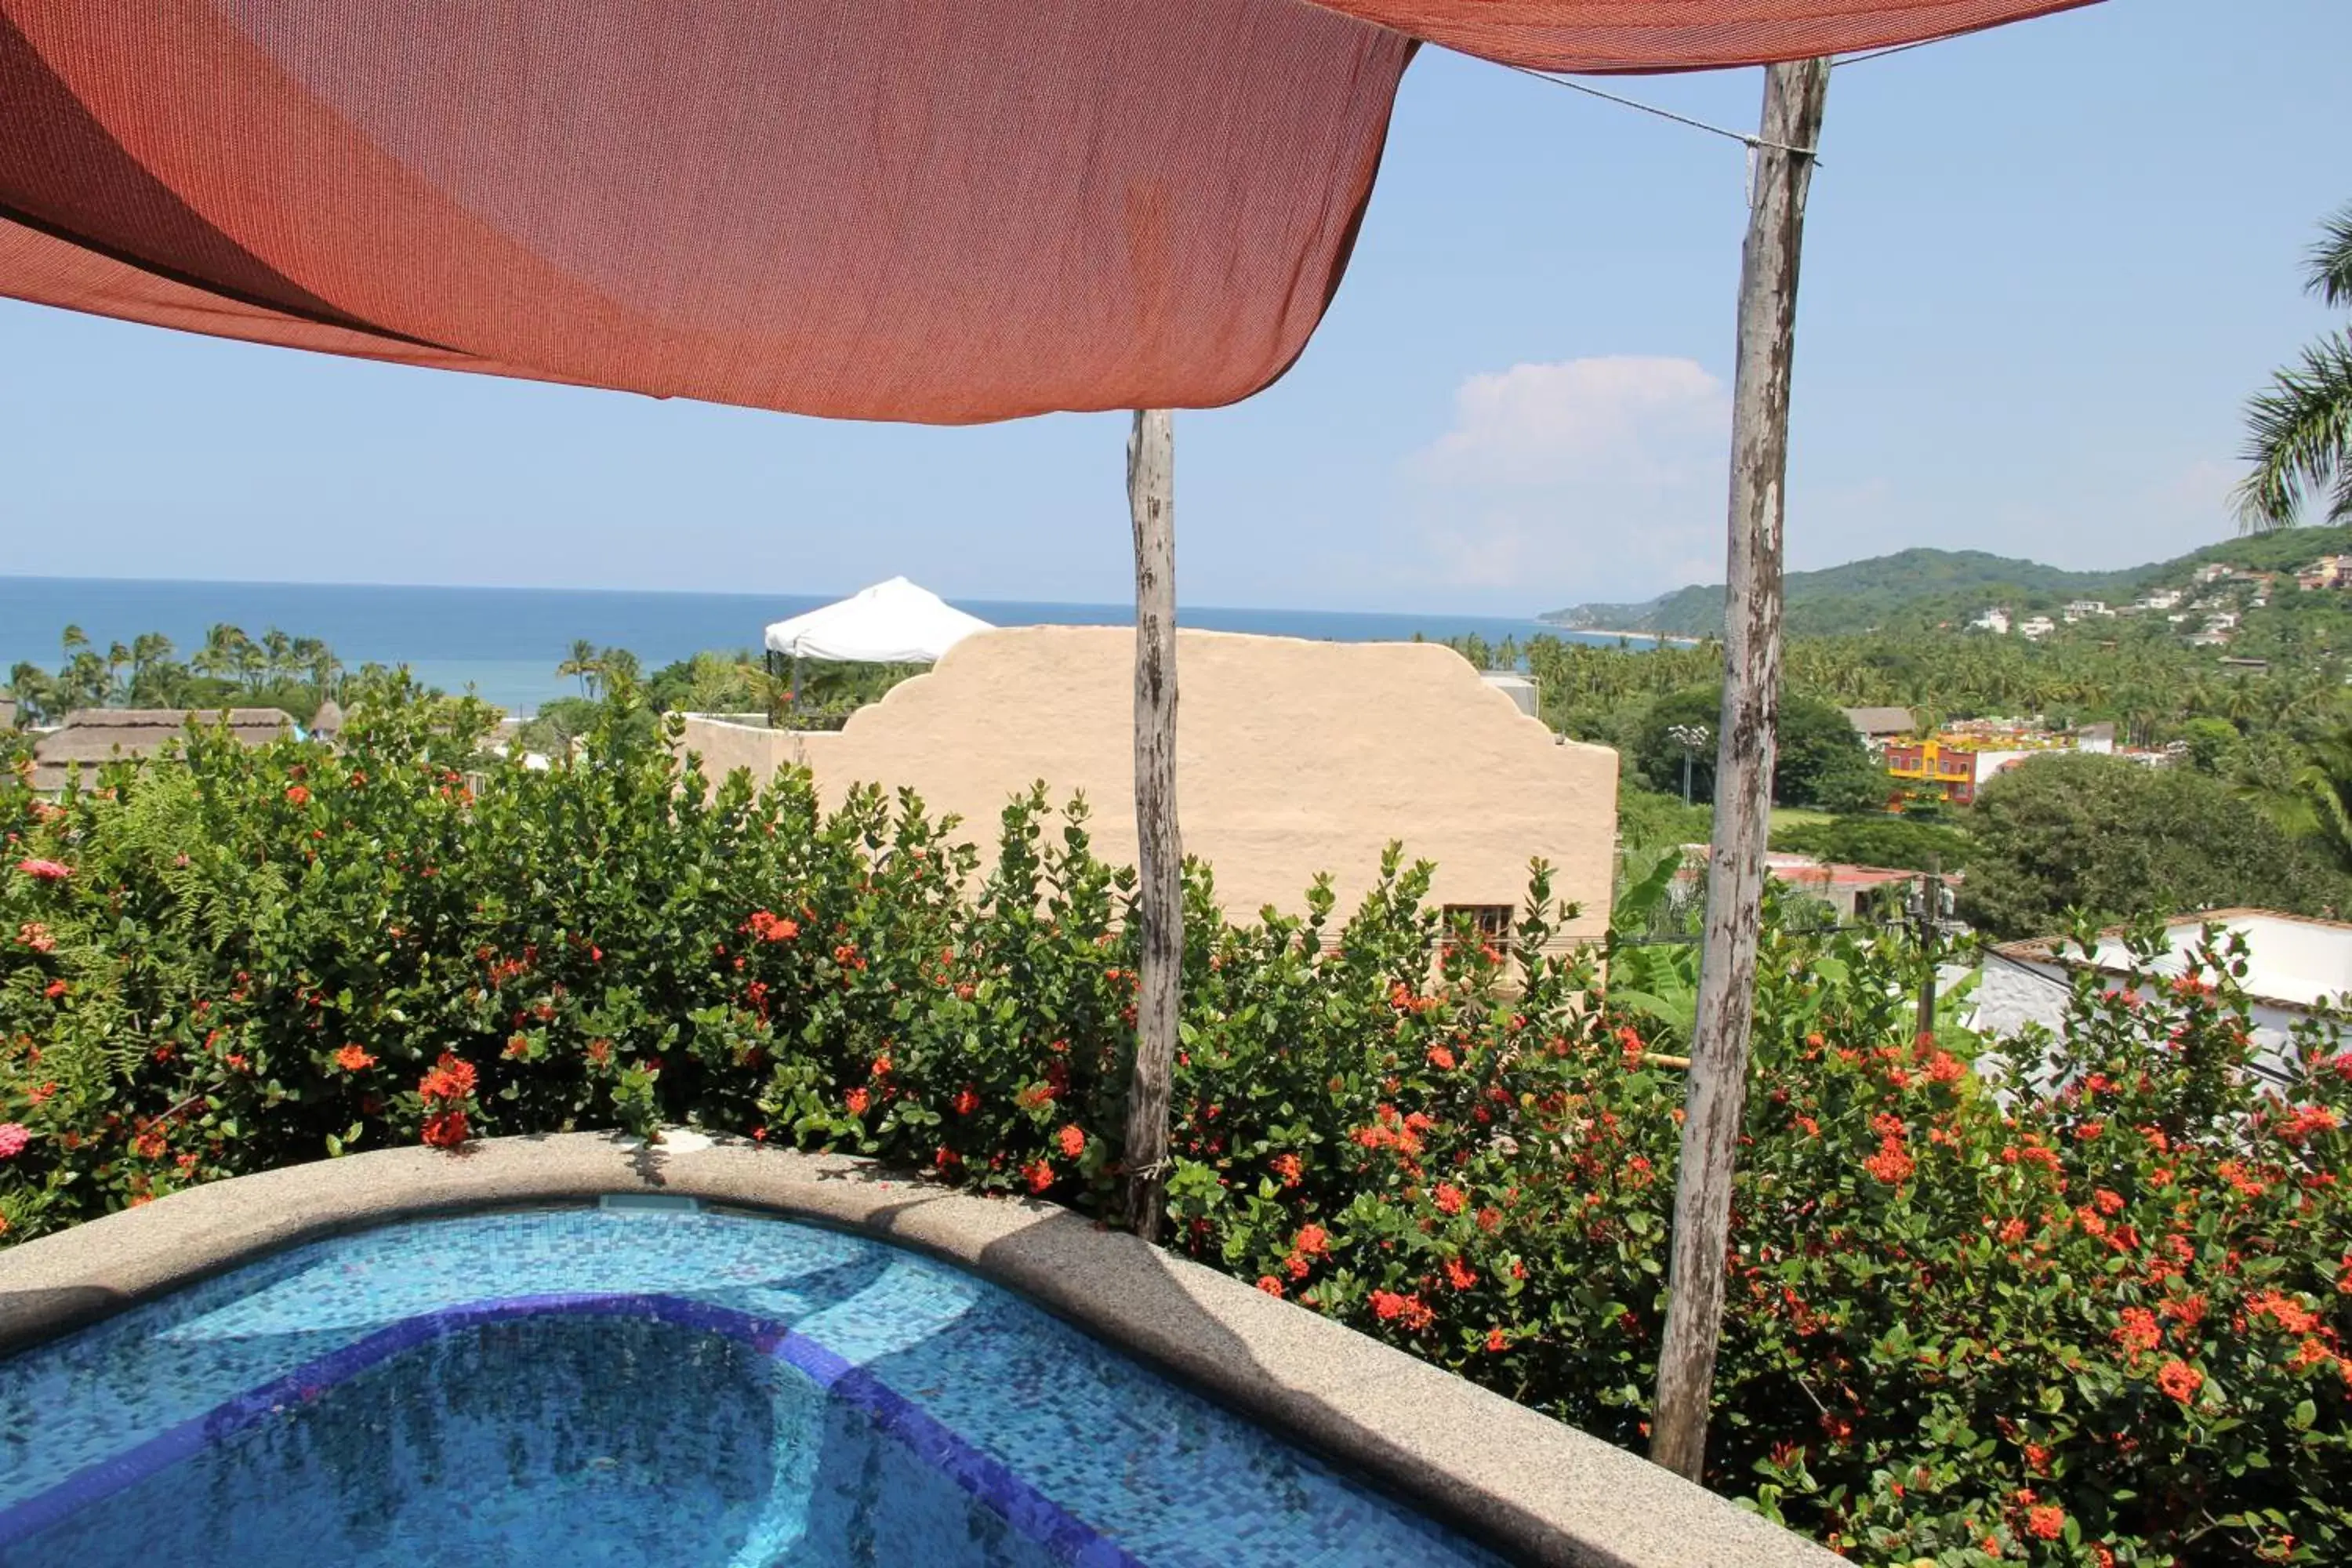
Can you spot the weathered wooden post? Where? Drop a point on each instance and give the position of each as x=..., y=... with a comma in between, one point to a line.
x=1159, y=849
x=1784, y=151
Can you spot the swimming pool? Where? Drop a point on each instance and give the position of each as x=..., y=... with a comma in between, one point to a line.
x=623, y=1384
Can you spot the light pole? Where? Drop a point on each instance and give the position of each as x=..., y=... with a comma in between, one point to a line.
x=1928, y=906
x=1691, y=738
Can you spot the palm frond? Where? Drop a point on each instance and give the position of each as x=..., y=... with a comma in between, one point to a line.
x=2331, y=261
x=2299, y=440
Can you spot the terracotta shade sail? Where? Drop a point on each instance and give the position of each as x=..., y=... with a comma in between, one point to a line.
x=1645, y=35
x=937, y=210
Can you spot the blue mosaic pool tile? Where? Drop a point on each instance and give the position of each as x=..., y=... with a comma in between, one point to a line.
x=902, y=1411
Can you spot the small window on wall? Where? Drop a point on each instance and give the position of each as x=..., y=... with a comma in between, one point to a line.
x=1491, y=921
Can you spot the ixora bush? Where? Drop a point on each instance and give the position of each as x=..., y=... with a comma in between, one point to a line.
x=2096, y=1318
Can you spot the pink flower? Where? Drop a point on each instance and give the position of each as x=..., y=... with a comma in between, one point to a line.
x=13, y=1136
x=44, y=870
x=35, y=935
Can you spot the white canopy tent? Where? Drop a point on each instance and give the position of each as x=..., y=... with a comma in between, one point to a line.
x=890, y=623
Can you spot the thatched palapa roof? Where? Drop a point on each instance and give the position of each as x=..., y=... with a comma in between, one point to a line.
x=93, y=736
x=1880, y=723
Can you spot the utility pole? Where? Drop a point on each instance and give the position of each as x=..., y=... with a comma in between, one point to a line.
x=1783, y=155
x=1159, y=849
x=1930, y=905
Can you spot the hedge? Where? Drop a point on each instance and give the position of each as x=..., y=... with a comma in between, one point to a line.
x=1970, y=1320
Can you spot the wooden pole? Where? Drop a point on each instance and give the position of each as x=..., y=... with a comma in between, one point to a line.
x=1715, y=1097
x=1158, y=850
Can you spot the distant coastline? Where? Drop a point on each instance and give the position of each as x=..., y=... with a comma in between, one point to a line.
x=505, y=643
x=1613, y=633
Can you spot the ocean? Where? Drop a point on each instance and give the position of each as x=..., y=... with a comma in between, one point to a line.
x=505, y=643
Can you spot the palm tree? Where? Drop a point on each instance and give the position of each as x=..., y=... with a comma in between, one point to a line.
x=581, y=663
x=2317, y=802
x=2299, y=432
x=277, y=651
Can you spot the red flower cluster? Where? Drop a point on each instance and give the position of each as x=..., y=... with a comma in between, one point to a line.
x=767, y=926
x=296, y=794
x=445, y=1089
x=1410, y=1311
x=354, y=1058
x=2139, y=1331
x=1892, y=1164
x=2308, y=1120
x=44, y=870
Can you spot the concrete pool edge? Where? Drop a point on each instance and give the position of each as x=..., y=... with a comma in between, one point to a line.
x=1538, y=1490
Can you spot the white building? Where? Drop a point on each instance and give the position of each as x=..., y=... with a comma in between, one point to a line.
x=2163, y=599
x=2296, y=968
x=1995, y=621
x=2037, y=626
x=2085, y=609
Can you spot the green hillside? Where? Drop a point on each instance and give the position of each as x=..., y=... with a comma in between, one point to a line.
x=1923, y=586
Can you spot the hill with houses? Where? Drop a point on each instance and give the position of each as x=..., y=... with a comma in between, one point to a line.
x=1927, y=587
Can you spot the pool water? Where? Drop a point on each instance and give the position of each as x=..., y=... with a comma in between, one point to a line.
x=621, y=1385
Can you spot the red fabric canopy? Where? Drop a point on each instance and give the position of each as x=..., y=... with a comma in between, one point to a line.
x=881, y=209
x=1682, y=35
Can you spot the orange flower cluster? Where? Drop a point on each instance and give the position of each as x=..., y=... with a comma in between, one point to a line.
x=445, y=1089
x=1893, y=1164
x=1389, y=1130
x=2308, y=1121
x=1409, y=1310
x=765, y=925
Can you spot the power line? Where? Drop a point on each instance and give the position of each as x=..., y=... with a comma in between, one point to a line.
x=1743, y=138
x=1882, y=53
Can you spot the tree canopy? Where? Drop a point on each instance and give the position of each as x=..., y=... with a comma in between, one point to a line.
x=2115, y=839
x=1822, y=761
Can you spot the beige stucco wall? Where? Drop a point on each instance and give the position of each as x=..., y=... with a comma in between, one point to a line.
x=1293, y=757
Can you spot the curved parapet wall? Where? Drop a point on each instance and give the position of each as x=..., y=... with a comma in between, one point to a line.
x=1539, y=1491
x=1293, y=758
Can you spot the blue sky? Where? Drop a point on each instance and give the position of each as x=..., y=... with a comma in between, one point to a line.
x=2044, y=267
